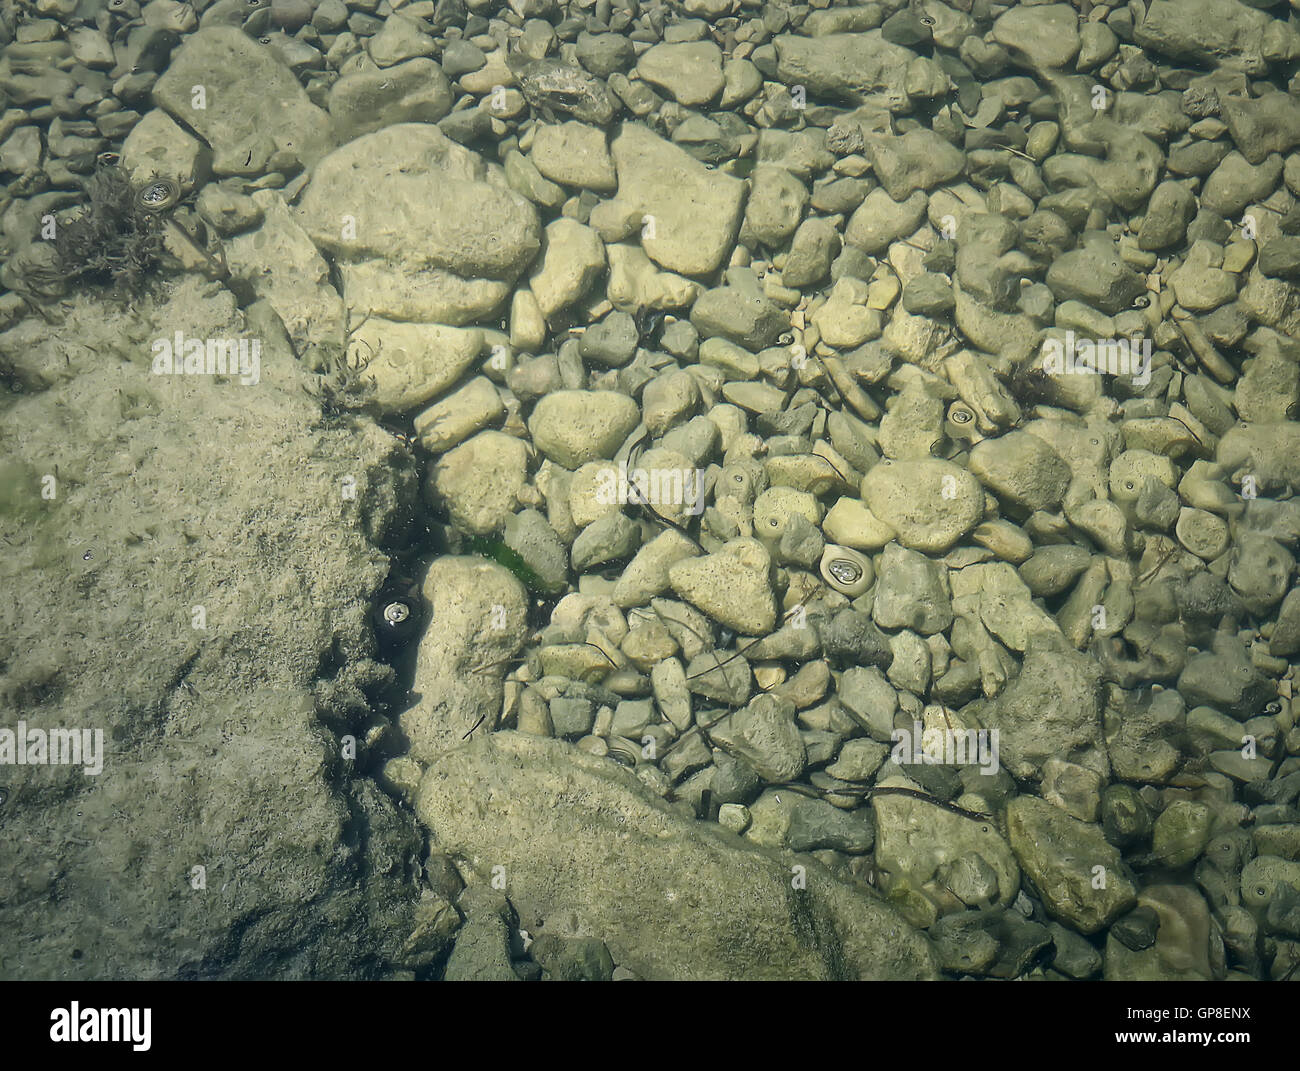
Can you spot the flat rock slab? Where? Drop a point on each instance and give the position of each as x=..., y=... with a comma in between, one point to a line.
x=419, y=226
x=252, y=104
x=1222, y=33
x=588, y=850
x=852, y=67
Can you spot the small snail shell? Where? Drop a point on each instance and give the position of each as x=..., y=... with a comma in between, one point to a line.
x=622, y=751
x=847, y=571
x=397, y=618
x=158, y=195
x=961, y=423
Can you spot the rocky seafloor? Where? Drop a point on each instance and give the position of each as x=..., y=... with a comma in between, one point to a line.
x=673, y=425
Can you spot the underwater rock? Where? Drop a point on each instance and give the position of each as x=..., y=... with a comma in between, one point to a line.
x=607, y=866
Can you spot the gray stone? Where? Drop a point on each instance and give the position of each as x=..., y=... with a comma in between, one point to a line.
x=574, y=154
x=852, y=67
x=917, y=160
x=812, y=249
x=930, y=503
x=571, y=716
x=1170, y=209
x=880, y=220
x=611, y=538
x=1225, y=678
x=279, y=264
x=915, y=839
x=911, y=592
x=1060, y=854
x=413, y=92
x=482, y=950
x=743, y=316
x=816, y=825
x=479, y=481
x=1264, y=125
x=529, y=535
x=764, y=735
x=612, y=341
x=1052, y=709
x=732, y=586
x=573, y=959
x=690, y=72
x=1259, y=571
x=1095, y=275
x=776, y=203
x=1215, y=33
x=1022, y=470
x=870, y=699
x=400, y=39
x=604, y=54
x=1044, y=36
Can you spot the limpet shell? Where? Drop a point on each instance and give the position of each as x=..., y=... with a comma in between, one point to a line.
x=847, y=571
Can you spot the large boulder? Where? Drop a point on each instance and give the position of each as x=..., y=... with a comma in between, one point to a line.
x=694, y=213
x=175, y=596
x=420, y=228
x=243, y=101
x=588, y=850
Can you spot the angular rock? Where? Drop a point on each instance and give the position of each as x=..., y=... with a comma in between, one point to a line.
x=254, y=106
x=615, y=863
x=1061, y=855
x=1052, y=709
x=695, y=212
x=732, y=586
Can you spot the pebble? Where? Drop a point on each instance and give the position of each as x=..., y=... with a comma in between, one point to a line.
x=931, y=504
x=573, y=427
x=731, y=586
